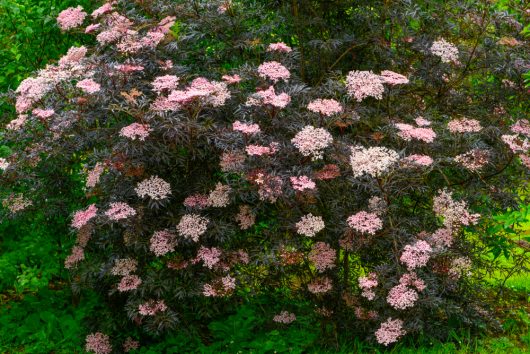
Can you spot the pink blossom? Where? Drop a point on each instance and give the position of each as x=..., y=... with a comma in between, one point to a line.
x=88, y=86
x=43, y=113
x=220, y=196
x=154, y=187
x=152, y=307
x=322, y=256
x=310, y=225
x=422, y=122
x=453, y=212
x=302, y=183
x=73, y=56
x=165, y=83
x=207, y=92
x=516, y=144
x=70, y=18
x=232, y=161
x=82, y=217
x=231, y=79
x=373, y=161
x=129, y=282
x=191, y=226
x=245, y=128
x=326, y=107
x=92, y=28
x=420, y=160
x=284, y=317
x=408, y=132
x=367, y=284
x=362, y=84
x=320, y=285
x=279, y=47
x=198, y=201
x=124, y=266
x=245, y=218
x=77, y=255
x=220, y=287
x=448, y=52
x=98, y=343
x=442, y=238
x=460, y=266
x=328, y=172
x=412, y=279
x=16, y=203
x=260, y=150
x=402, y=297
x=162, y=242
x=269, y=97
x=136, y=131
x=4, y=164
x=209, y=256
x=30, y=91
x=390, y=331
x=105, y=8
x=119, y=211
x=474, y=159
x=522, y=126
x=273, y=71
x=392, y=78
x=416, y=255
x=94, y=175
x=17, y=123
x=129, y=68
x=525, y=160
x=364, y=222
x=130, y=344
x=311, y=141
x=464, y=125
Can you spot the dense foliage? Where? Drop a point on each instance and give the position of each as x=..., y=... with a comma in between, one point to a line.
x=223, y=165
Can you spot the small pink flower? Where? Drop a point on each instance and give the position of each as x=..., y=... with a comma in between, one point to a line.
x=136, y=131
x=302, y=183
x=326, y=107
x=152, y=307
x=364, y=222
x=464, y=125
x=43, y=113
x=129, y=282
x=310, y=225
x=70, y=18
x=119, y=211
x=279, y=47
x=82, y=217
x=231, y=79
x=274, y=71
x=390, y=331
x=98, y=343
x=245, y=128
x=392, y=78
x=322, y=256
x=363, y=84
x=420, y=160
x=88, y=86
x=284, y=317
x=416, y=255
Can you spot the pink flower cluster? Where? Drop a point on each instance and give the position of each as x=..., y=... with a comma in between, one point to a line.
x=129, y=282
x=284, y=317
x=311, y=141
x=402, y=297
x=464, y=125
x=165, y=83
x=448, y=52
x=326, y=107
x=260, y=150
x=269, y=186
x=124, y=266
x=408, y=132
x=320, y=285
x=302, y=183
x=522, y=126
x=246, y=128
x=474, y=159
x=70, y=18
x=373, y=161
x=322, y=256
x=152, y=307
x=231, y=79
x=269, y=97
x=220, y=287
x=130, y=344
x=119, y=211
x=392, y=78
x=162, y=242
x=367, y=284
x=43, y=113
x=279, y=47
x=209, y=256
x=30, y=91
x=82, y=217
x=310, y=225
x=197, y=201
x=136, y=131
x=154, y=187
x=245, y=217
x=362, y=84
x=192, y=226
x=4, y=164
x=460, y=266
x=416, y=255
x=94, y=175
x=88, y=86
x=454, y=212
x=220, y=196
x=103, y=9
x=98, y=343
x=390, y=331
x=274, y=71
x=419, y=160
x=365, y=222
x=516, y=144
x=442, y=237
x=77, y=255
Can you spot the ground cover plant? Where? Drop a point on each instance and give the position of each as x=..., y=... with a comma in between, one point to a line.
x=352, y=171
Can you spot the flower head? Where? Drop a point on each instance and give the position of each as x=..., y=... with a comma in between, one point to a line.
x=362, y=84
x=311, y=141
x=192, y=226
x=98, y=343
x=70, y=18
x=274, y=71
x=365, y=222
x=154, y=187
